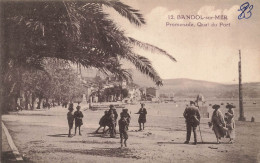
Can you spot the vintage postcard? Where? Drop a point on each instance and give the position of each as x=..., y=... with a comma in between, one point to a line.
x=130, y=81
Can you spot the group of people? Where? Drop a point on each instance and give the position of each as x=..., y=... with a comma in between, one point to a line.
x=109, y=119
x=222, y=125
x=77, y=116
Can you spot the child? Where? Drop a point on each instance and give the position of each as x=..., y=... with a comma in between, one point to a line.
x=78, y=115
x=142, y=116
x=103, y=122
x=112, y=123
x=123, y=127
x=125, y=113
x=70, y=118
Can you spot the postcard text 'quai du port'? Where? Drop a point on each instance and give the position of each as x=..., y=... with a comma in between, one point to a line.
x=197, y=21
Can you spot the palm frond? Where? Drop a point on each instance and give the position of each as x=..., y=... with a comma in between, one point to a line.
x=126, y=11
x=150, y=47
x=144, y=66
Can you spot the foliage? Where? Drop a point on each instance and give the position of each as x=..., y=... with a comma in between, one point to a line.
x=78, y=32
x=59, y=82
x=116, y=92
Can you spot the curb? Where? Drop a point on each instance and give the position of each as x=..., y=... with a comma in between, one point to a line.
x=11, y=143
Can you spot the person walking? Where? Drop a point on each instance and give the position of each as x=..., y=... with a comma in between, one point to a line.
x=230, y=122
x=192, y=117
x=125, y=113
x=78, y=115
x=218, y=123
x=123, y=128
x=142, y=116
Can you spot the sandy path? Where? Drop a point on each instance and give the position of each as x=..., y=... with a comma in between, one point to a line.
x=42, y=136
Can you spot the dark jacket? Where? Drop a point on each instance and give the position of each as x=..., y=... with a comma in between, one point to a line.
x=114, y=112
x=123, y=125
x=78, y=115
x=192, y=115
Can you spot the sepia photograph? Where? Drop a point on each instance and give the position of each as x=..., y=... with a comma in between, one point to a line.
x=145, y=81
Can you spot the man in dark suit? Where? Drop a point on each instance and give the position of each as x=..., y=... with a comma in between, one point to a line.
x=192, y=116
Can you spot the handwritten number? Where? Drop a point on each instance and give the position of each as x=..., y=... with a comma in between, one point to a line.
x=246, y=11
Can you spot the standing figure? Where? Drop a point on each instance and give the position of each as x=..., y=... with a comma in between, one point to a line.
x=218, y=123
x=112, y=123
x=142, y=116
x=123, y=127
x=65, y=104
x=192, y=116
x=70, y=119
x=103, y=122
x=112, y=107
x=125, y=113
x=70, y=105
x=78, y=115
x=230, y=122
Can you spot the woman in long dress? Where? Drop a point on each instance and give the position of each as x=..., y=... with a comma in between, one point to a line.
x=218, y=123
x=230, y=122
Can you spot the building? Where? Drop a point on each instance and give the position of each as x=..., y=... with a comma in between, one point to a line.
x=152, y=94
x=134, y=94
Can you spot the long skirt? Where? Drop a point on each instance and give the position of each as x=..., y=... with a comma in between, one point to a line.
x=219, y=132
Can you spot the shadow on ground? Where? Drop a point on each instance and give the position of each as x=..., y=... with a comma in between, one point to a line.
x=101, y=135
x=91, y=142
x=9, y=157
x=59, y=135
x=107, y=152
x=191, y=143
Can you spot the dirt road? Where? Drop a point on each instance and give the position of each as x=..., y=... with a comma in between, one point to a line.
x=41, y=136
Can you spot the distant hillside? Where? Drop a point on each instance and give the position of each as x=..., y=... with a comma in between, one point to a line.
x=190, y=88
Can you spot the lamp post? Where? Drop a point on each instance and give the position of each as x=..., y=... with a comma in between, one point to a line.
x=241, y=109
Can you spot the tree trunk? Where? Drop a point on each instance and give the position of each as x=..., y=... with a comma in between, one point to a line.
x=33, y=101
x=27, y=100
x=59, y=101
x=39, y=103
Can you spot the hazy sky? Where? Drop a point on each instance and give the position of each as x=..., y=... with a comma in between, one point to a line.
x=203, y=53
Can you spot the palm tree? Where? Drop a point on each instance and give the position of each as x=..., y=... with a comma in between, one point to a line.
x=78, y=32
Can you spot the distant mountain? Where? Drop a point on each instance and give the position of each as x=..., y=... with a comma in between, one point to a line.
x=190, y=88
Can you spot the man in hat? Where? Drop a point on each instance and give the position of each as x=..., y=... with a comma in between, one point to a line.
x=192, y=116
